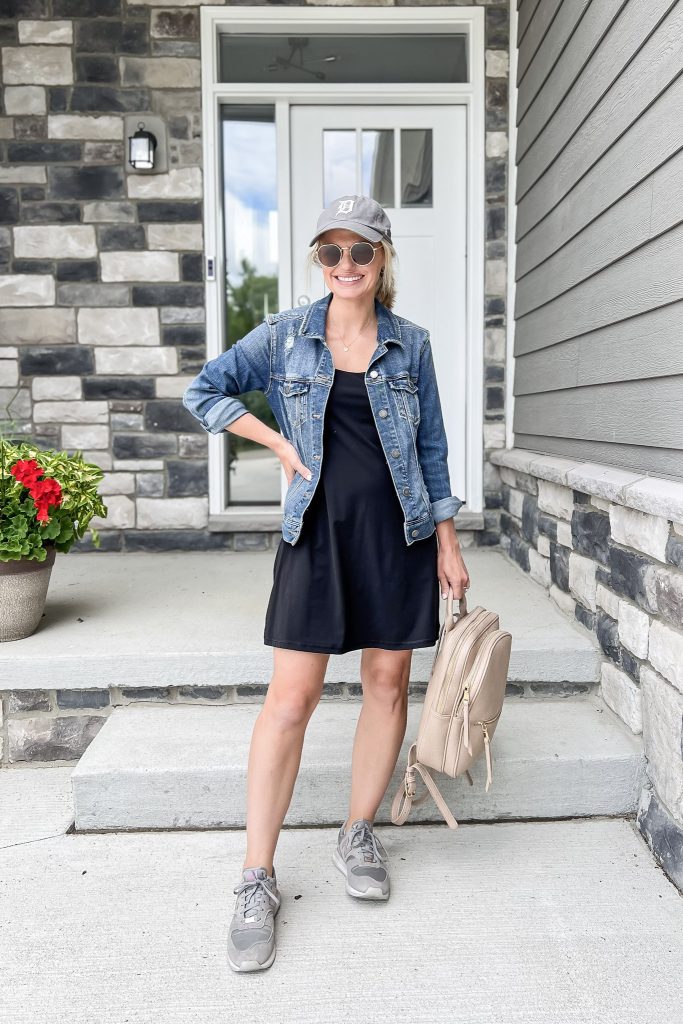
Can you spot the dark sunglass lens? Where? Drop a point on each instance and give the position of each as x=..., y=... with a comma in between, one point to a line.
x=329, y=254
x=362, y=253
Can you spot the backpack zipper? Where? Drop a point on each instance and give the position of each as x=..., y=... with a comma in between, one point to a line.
x=491, y=639
x=446, y=692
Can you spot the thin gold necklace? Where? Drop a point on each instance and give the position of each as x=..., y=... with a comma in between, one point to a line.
x=347, y=347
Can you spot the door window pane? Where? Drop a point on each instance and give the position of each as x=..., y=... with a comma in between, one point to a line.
x=251, y=268
x=416, y=167
x=317, y=59
x=378, y=165
x=339, y=163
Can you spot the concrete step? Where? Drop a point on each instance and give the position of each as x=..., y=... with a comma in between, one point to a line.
x=195, y=619
x=179, y=767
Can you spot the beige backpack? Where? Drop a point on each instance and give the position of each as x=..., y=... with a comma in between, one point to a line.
x=462, y=705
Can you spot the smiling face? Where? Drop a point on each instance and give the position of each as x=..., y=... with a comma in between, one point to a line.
x=347, y=279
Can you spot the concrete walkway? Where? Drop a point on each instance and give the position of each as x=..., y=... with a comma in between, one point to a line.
x=196, y=618
x=536, y=923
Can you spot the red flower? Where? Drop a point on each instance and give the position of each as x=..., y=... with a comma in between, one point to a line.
x=45, y=493
x=26, y=471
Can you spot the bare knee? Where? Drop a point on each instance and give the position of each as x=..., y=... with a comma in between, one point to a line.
x=293, y=707
x=385, y=681
x=296, y=687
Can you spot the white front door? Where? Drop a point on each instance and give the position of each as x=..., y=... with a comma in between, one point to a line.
x=412, y=160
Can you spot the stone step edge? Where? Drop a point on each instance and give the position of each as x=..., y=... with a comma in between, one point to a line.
x=554, y=762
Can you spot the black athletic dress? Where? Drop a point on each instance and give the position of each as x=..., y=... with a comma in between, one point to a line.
x=351, y=581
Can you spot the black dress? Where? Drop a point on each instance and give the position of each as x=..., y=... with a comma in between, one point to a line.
x=351, y=581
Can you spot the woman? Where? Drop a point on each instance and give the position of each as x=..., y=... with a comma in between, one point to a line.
x=358, y=566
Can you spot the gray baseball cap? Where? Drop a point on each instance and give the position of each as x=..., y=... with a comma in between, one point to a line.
x=361, y=214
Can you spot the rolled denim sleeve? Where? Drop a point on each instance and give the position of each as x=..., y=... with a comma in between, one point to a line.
x=212, y=396
x=432, y=443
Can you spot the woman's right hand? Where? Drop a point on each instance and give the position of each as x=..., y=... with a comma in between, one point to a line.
x=291, y=463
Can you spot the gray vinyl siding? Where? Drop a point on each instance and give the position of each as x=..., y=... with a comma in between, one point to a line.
x=599, y=235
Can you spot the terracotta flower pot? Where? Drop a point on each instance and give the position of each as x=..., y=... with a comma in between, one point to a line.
x=23, y=589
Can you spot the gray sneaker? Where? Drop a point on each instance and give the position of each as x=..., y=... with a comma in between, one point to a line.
x=360, y=857
x=251, y=938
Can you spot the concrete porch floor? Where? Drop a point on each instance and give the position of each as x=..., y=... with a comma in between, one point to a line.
x=529, y=922
x=196, y=618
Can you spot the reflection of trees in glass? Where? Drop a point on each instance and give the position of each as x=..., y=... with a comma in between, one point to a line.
x=248, y=303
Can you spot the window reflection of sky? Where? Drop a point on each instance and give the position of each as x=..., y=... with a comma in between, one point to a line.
x=250, y=195
x=341, y=153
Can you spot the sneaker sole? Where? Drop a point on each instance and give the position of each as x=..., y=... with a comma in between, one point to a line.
x=252, y=965
x=373, y=893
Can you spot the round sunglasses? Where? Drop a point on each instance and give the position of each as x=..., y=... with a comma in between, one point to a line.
x=330, y=254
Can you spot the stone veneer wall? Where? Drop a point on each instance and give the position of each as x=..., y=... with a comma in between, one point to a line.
x=101, y=292
x=608, y=546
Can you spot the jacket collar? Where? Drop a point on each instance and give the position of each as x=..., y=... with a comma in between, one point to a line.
x=313, y=323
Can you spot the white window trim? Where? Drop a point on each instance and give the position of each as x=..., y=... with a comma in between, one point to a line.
x=365, y=21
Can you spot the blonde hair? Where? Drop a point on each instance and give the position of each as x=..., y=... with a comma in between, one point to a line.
x=386, y=284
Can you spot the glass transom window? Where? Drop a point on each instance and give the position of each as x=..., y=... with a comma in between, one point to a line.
x=318, y=59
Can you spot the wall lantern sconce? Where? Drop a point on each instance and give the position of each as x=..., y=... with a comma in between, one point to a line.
x=146, y=144
x=141, y=147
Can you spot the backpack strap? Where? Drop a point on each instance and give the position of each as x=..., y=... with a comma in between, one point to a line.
x=406, y=792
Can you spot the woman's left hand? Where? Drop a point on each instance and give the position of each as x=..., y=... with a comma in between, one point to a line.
x=452, y=572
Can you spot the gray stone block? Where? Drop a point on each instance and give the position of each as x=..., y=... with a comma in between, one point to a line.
x=112, y=36
x=633, y=576
x=118, y=387
x=107, y=99
x=168, y=295
x=184, y=334
x=77, y=270
x=57, y=360
x=92, y=295
x=100, y=70
x=177, y=540
x=86, y=8
x=30, y=128
x=169, y=212
x=140, y=446
x=175, y=24
x=95, y=698
x=663, y=835
x=44, y=152
x=37, y=65
x=211, y=693
x=85, y=183
x=117, y=237
x=9, y=206
x=19, y=701
x=187, y=477
x=64, y=738
x=51, y=213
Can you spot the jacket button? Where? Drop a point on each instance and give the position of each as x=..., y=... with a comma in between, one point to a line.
x=316, y=456
x=373, y=373
x=406, y=490
x=414, y=533
x=395, y=453
x=383, y=413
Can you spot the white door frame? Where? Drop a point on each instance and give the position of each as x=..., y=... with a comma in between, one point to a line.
x=364, y=21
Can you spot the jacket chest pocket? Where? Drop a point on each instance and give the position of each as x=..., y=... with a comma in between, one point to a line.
x=406, y=398
x=295, y=400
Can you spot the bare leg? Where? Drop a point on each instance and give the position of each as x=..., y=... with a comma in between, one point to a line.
x=380, y=730
x=276, y=744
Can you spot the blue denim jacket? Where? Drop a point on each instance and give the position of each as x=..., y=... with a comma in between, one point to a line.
x=286, y=357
